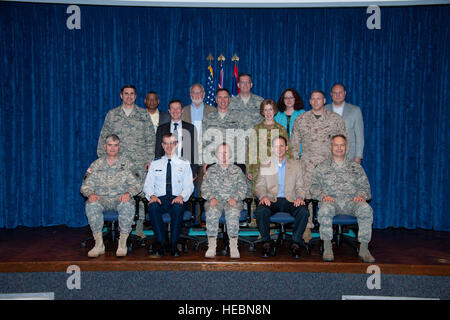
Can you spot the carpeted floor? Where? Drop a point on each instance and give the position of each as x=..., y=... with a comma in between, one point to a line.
x=204, y=285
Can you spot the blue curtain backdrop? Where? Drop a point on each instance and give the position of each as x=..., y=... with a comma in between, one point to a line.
x=58, y=84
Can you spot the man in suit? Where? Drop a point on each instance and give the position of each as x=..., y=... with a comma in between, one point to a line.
x=185, y=132
x=167, y=187
x=194, y=114
x=279, y=187
x=197, y=110
x=353, y=121
x=157, y=116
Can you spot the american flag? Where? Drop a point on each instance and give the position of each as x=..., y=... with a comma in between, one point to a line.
x=210, y=97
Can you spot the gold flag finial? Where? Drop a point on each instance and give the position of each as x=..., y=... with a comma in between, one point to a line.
x=210, y=58
x=221, y=58
x=235, y=58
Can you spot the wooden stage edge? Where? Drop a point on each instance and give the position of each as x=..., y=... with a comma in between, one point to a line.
x=270, y=266
x=54, y=249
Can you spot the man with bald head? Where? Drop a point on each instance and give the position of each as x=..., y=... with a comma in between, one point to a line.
x=342, y=187
x=353, y=121
x=312, y=131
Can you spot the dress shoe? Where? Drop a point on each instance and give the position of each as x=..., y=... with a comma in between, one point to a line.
x=266, y=249
x=157, y=249
x=294, y=250
x=175, y=251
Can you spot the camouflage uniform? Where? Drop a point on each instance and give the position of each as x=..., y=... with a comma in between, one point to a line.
x=137, y=140
x=109, y=183
x=224, y=184
x=314, y=136
x=248, y=114
x=260, y=147
x=226, y=125
x=342, y=182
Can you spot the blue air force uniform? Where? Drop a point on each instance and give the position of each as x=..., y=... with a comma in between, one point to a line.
x=156, y=183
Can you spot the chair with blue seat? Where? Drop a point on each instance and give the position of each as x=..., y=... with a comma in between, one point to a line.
x=188, y=220
x=281, y=221
x=345, y=228
x=343, y=222
x=244, y=219
x=111, y=229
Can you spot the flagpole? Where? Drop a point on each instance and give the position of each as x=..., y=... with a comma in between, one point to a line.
x=221, y=59
x=235, y=89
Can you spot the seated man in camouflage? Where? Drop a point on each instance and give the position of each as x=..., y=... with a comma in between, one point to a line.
x=110, y=185
x=342, y=187
x=225, y=188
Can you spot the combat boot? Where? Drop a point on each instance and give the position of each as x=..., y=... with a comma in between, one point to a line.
x=364, y=253
x=234, y=252
x=122, y=247
x=327, y=251
x=212, y=244
x=99, y=247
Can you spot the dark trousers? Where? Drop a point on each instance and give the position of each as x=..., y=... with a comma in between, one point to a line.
x=176, y=211
x=263, y=214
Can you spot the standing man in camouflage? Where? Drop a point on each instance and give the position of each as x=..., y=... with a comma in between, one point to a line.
x=224, y=188
x=220, y=126
x=131, y=124
x=246, y=104
x=313, y=130
x=109, y=184
x=342, y=187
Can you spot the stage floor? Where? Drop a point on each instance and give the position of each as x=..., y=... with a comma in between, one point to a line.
x=53, y=249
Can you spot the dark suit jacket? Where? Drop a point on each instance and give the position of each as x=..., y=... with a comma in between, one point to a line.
x=189, y=149
x=164, y=117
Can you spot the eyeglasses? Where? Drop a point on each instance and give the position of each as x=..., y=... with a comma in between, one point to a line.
x=169, y=143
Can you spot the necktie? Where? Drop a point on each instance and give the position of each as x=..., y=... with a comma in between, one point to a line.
x=175, y=133
x=169, y=178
